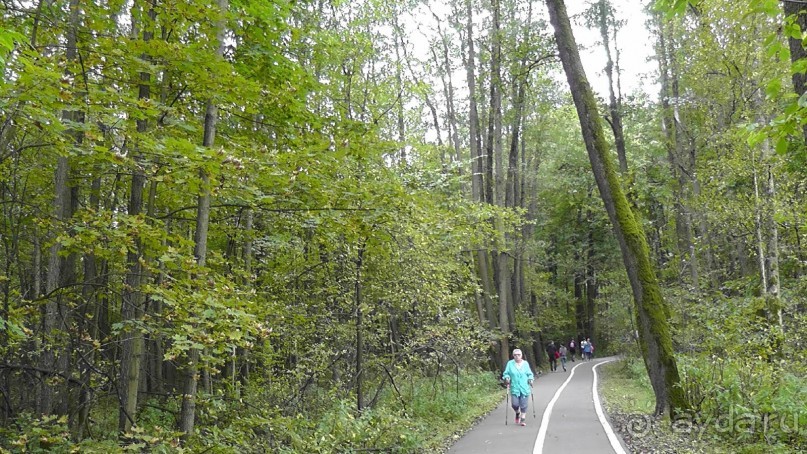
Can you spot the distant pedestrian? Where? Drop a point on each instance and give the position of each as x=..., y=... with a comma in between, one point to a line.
x=587, y=348
x=572, y=349
x=583, y=347
x=562, y=352
x=551, y=351
x=518, y=376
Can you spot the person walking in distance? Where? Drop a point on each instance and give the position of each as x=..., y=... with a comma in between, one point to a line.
x=551, y=349
x=519, y=378
x=562, y=351
x=572, y=349
x=583, y=346
x=587, y=349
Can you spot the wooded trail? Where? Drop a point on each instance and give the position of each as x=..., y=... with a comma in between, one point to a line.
x=566, y=419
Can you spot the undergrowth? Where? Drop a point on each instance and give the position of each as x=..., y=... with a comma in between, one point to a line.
x=420, y=416
x=739, y=406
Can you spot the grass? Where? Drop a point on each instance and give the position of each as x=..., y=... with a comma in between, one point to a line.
x=442, y=420
x=626, y=390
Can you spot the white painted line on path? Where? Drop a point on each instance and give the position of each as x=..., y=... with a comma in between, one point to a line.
x=600, y=414
x=539, y=442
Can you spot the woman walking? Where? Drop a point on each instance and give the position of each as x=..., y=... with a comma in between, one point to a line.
x=519, y=377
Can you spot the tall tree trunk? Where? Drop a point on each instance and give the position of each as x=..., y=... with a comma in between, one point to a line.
x=448, y=91
x=133, y=344
x=798, y=11
x=606, y=22
x=54, y=358
x=512, y=197
x=359, y=332
x=653, y=312
x=497, y=196
x=88, y=325
x=579, y=283
x=477, y=169
x=479, y=301
x=767, y=233
x=477, y=174
x=592, y=285
x=399, y=86
x=674, y=132
x=187, y=415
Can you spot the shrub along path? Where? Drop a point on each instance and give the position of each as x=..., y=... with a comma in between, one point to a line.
x=566, y=420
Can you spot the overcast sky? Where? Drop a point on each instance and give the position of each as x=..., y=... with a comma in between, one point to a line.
x=635, y=44
x=634, y=40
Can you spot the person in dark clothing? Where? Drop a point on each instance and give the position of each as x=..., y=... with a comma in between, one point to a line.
x=551, y=349
x=572, y=349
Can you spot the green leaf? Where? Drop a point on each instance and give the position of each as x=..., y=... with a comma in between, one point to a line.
x=755, y=138
x=773, y=88
x=799, y=66
x=781, y=145
x=769, y=7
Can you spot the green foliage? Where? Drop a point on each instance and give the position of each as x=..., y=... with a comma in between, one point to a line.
x=428, y=418
x=37, y=435
x=672, y=6
x=747, y=401
x=8, y=40
x=338, y=430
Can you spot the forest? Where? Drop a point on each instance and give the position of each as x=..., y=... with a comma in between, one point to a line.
x=322, y=225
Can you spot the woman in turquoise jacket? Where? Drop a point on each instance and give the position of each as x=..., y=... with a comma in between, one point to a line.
x=518, y=376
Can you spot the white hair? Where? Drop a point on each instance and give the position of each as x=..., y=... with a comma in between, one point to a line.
x=517, y=350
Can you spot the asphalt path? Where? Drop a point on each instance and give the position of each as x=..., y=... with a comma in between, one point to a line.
x=568, y=419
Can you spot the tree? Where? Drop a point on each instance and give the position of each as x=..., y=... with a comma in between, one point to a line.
x=652, y=311
x=132, y=310
x=187, y=416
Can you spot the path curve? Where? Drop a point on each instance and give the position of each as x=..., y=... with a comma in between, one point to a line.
x=568, y=419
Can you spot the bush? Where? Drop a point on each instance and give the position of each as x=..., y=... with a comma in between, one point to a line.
x=747, y=401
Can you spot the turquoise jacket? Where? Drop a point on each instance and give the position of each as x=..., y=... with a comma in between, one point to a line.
x=520, y=378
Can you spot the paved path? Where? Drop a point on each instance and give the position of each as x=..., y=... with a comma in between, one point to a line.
x=566, y=420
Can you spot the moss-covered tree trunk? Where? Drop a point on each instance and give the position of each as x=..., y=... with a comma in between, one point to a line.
x=652, y=312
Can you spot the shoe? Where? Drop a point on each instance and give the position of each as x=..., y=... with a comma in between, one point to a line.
x=523, y=422
x=517, y=418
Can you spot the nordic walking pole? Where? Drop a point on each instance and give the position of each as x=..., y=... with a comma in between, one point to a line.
x=532, y=396
x=506, y=404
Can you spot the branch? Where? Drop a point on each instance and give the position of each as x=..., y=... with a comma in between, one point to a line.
x=535, y=63
x=41, y=370
x=260, y=207
x=397, y=391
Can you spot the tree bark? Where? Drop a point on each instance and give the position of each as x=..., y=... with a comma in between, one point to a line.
x=606, y=21
x=59, y=273
x=187, y=415
x=359, y=333
x=674, y=132
x=477, y=179
x=798, y=11
x=477, y=169
x=132, y=311
x=653, y=312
